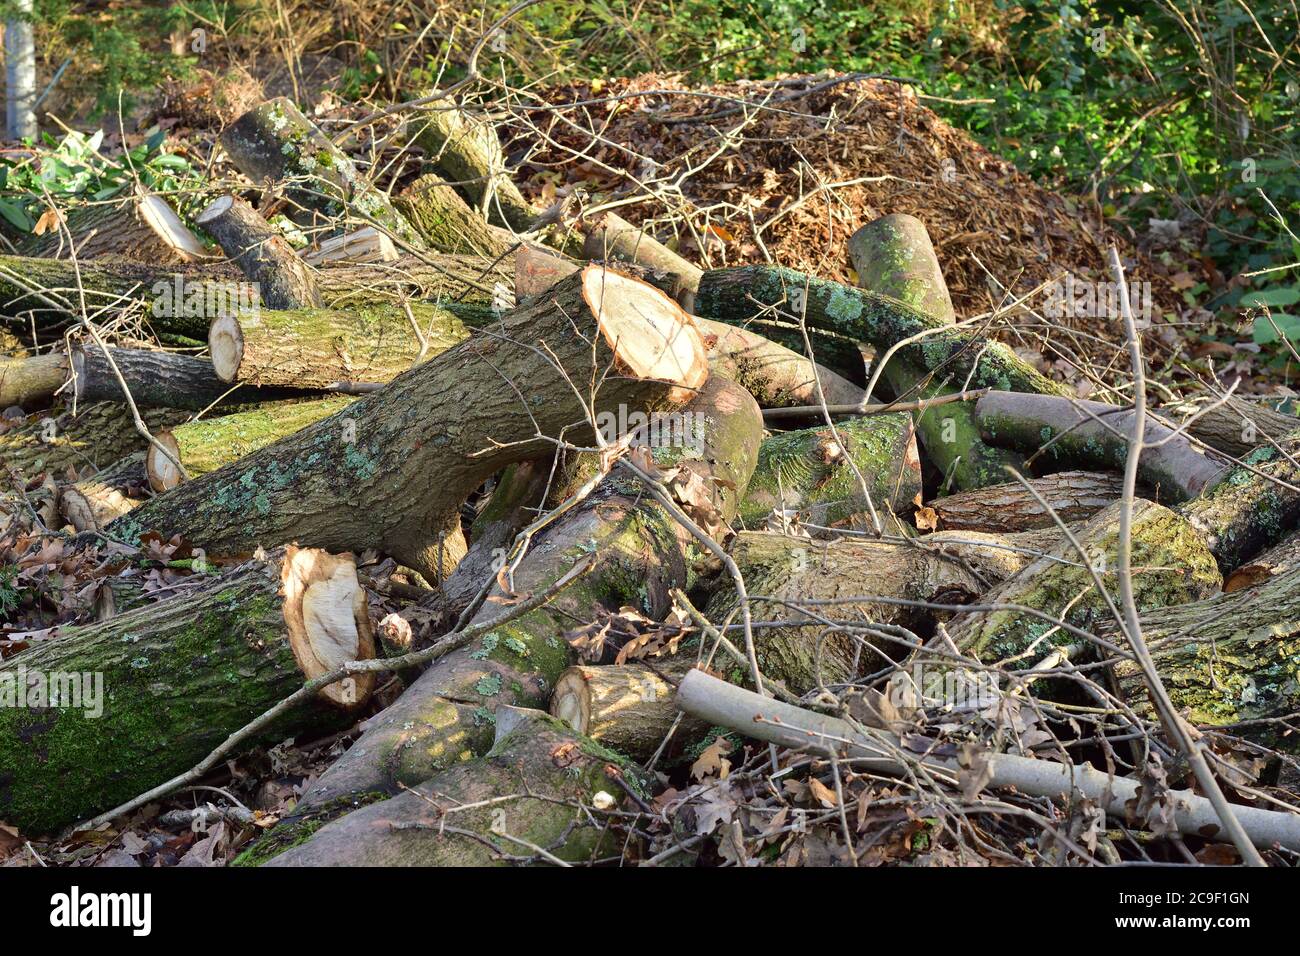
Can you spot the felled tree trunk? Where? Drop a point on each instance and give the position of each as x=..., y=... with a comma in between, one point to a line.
x=275, y=142
x=448, y=224
x=894, y=256
x=609, y=236
x=809, y=476
x=626, y=707
x=1073, y=495
x=29, y=380
x=447, y=714
x=362, y=477
x=782, y=571
x=261, y=253
x=469, y=154
x=1229, y=659
x=91, y=503
x=169, y=681
x=96, y=436
x=554, y=772
x=741, y=294
x=147, y=230
x=1171, y=565
x=1095, y=435
x=207, y=445
x=321, y=348
x=1233, y=426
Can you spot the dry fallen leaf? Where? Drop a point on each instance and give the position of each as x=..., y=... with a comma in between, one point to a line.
x=713, y=761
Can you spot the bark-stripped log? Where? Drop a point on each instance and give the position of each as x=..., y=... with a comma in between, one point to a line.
x=469, y=154
x=96, y=436
x=448, y=224
x=1094, y=435
x=1231, y=425
x=275, y=142
x=207, y=445
x=556, y=774
x=1073, y=495
x=319, y=348
x=389, y=470
x=91, y=503
x=894, y=256
x=781, y=571
x=1171, y=565
x=809, y=476
x=446, y=715
x=174, y=679
x=262, y=253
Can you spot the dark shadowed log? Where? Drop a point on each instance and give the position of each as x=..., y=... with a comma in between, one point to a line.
x=1230, y=425
x=96, y=436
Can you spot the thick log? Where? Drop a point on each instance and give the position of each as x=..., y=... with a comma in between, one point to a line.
x=262, y=254
x=744, y=293
x=207, y=445
x=626, y=707
x=469, y=154
x=554, y=773
x=448, y=224
x=1280, y=559
x=26, y=381
x=781, y=571
x=275, y=142
x=810, y=477
x=1230, y=425
x=1171, y=565
x=96, y=436
x=91, y=503
x=1094, y=435
x=322, y=348
x=361, y=478
x=643, y=554
x=894, y=256
x=1073, y=495
x=171, y=680
x=1232, y=658
x=608, y=236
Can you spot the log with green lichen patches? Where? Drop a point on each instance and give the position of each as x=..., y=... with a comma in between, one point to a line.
x=1171, y=566
x=1232, y=658
x=174, y=301
x=554, y=773
x=780, y=571
x=447, y=223
x=361, y=478
x=275, y=142
x=110, y=710
x=809, y=476
x=642, y=554
x=95, y=437
x=319, y=348
x=744, y=293
x=210, y=443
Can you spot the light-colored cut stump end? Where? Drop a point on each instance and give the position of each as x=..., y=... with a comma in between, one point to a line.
x=215, y=209
x=162, y=219
x=649, y=334
x=328, y=623
x=161, y=470
x=226, y=344
x=571, y=700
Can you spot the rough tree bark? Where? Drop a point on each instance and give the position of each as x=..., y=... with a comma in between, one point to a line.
x=1073, y=495
x=96, y=436
x=448, y=224
x=262, y=253
x=174, y=679
x=362, y=477
x=607, y=235
x=1233, y=426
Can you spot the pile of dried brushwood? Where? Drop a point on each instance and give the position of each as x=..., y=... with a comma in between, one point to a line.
x=615, y=487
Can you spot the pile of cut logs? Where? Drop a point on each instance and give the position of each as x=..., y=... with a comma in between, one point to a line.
x=433, y=382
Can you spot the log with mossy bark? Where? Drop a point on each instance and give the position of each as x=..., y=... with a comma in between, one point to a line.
x=1072, y=495
x=95, y=436
x=894, y=256
x=637, y=554
x=447, y=223
x=262, y=254
x=1231, y=661
x=180, y=304
x=362, y=477
x=863, y=581
x=1171, y=565
x=115, y=708
x=274, y=142
x=745, y=293
x=323, y=348
x=206, y=445
x=466, y=150
x=529, y=799
x=818, y=475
